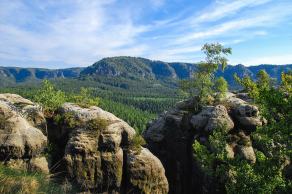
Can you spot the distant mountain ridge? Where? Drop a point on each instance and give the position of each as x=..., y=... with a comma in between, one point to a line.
x=134, y=68
x=19, y=74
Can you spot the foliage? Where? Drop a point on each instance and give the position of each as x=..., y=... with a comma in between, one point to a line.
x=215, y=55
x=68, y=119
x=85, y=98
x=254, y=179
x=136, y=143
x=221, y=86
x=286, y=85
x=272, y=141
x=133, y=116
x=18, y=181
x=131, y=106
x=264, y=81
x=97, y=124
x=249, y=86
x=202, y=82
x=49, y=97
x=204, y=157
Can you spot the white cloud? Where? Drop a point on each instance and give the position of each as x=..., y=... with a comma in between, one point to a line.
x=81, y=32
x=80, y=36
x=271, y=59
x=225, y=8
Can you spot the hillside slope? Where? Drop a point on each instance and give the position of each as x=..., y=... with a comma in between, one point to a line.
x=18, y=75
x=133, y=68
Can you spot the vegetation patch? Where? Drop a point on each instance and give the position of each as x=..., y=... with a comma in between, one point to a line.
x=85, y=99
x=203, y=82
x=136, y=143
x=17, y=181
x=97, y=124
x=272, y=143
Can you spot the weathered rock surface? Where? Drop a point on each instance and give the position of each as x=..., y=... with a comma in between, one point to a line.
x=145, y=173
x=171, y=136
x=90, y=147
x=211, y=118
x=246, y=115
x=97, y=156
x=247, y=153
x=22, y=133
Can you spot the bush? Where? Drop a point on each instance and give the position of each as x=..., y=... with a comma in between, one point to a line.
x=85, y=98
x=18, y=181
x=97, y=124
x=136, y=143
x=67, y=119
x=49, y=97
x=221, y=86
x=202, y=82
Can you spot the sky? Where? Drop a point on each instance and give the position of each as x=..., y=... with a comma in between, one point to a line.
x=70, y=33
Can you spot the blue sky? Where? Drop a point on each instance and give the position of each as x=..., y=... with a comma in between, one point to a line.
x=68, y=33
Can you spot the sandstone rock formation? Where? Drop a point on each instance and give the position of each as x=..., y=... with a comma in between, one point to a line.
x=171, y=136
x=90, y=147
x=97, y=156
x=145, y=164
x=22, y=134
x=212, y=117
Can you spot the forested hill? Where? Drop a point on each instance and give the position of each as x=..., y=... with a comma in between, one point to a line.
x=18, y=74
x=133, y=68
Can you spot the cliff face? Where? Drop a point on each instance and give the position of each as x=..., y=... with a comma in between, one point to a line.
x=172, y=135
x=90, y=147
x=22, y=134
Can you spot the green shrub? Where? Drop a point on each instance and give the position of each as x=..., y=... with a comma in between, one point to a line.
x=67, y=119
x=97, y=124
x=261, y=178
x=18, y=181
x=85, y=98
x=136, y=143
x=202, y=82
x=221, y=86
x=204, y=158
x=49, y=97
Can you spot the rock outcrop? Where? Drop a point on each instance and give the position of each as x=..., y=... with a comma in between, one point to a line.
x=22, y=134
x=90, y=147
x=211, y=118
x=245, y=114
x=141, y=165
x=171, y=136
x=97, y=156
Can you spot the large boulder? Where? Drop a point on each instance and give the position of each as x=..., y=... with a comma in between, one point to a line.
x=22, y=133
x=145, y=173
x=247, y=153
x=246, y=115
x=97, y=155
x=172, y=135
x=211, y=118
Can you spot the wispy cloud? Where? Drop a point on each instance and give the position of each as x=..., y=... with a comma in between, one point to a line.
x=81, y=32
x=271, y=59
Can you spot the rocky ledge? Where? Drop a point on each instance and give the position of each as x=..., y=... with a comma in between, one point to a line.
x=90, y=147
x=22, y=134
x=171, y=136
